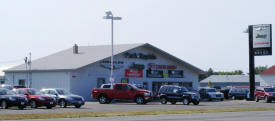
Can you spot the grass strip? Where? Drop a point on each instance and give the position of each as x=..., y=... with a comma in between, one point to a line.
x=126, y=113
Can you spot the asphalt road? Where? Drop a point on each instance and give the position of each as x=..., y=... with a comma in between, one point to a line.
x=229, y=116
x=119, y=106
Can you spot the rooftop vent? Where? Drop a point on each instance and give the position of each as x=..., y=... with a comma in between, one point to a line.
x=75, y=49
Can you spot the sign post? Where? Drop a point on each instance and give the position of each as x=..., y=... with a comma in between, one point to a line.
x=260, y=44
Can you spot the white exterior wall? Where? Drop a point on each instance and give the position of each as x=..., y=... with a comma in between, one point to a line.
x=86, y=78
x=41, y=79
x=269, y=79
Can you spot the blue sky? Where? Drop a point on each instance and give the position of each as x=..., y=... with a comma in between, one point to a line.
x=205, y=33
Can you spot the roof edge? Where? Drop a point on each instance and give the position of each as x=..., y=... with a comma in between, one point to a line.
x=49, y=70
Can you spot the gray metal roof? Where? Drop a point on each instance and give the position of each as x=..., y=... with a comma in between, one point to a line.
x=67, y=60
x=230, y=78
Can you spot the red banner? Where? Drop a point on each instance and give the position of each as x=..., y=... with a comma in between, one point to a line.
x=133, y=73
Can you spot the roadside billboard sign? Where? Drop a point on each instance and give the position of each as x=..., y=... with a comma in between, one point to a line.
x=262, y=39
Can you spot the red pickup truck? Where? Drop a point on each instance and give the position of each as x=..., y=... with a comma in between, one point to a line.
x=121, y=91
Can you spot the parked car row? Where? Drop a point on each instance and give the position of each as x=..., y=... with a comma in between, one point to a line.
x=124, y=91
x=22, y=97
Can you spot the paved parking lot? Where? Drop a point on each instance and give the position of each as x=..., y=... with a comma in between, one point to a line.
x=119, y=106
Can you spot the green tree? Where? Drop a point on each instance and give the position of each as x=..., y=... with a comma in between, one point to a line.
x=260, y=69
x=209, y=84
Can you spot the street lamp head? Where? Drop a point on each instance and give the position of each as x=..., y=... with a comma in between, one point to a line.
x=109, y=13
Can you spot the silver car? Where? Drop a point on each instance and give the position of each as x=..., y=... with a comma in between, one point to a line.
x=64, y=98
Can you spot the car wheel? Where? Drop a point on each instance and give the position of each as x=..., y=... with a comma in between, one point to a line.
x=196, y=102
x=256, y=99
x=33, y=104
x=62, y=103
x=266, y=99
x=139, y=100
x=4, y=104
x=233, y=98
x=77, y=106
x=222, y=99
x=102, y=99
x=173, y=102
x=163, y=100
x=186, y=101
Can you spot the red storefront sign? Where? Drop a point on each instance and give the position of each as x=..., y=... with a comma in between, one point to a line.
x=133, y=73
x=155, y=66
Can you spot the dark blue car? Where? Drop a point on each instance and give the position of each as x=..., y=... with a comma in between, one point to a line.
x=238, y=93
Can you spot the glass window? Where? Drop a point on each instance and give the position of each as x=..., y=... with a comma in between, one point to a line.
x=21, y=82
x=100, y=81
x=210, y=90
x=21, y=92
x=126, y=87
x=183, y=89
x=118, y=87
x=133, y=86
x=62, y=92
x=269, y=89
x=175, y=90
x=52, y=92
x=106, y=86
x=33, y=92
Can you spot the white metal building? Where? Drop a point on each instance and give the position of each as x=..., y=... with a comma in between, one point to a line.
x=81, y=68
x=231, y=80
x=269, y=76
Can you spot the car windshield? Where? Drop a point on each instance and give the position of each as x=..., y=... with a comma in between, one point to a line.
x=190, y=88
x=183, y=89
x=6, y=92
x=62, y=92
x=33, y=92
x=269, y=89
x=135, y=87
x=210, y=90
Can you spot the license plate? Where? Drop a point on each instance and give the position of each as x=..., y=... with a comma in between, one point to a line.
x=79, y=102
x=51, y=103
x=22, y=103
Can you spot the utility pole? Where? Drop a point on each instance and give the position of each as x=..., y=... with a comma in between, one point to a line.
x=251, y=63
x=27, y=74
x=109, y=15
x=30, y=67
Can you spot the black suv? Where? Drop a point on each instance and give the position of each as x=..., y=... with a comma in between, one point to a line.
x=8, y=98
x=174, y=93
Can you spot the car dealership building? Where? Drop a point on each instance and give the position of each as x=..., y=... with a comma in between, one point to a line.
x=81, y=68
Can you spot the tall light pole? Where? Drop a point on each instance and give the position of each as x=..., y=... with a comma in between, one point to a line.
x=109, y=15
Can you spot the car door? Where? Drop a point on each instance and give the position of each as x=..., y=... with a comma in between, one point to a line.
x=172, y=93
x=118, y=92
x=202, y=93
x=128, y=92
x=23, y=93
